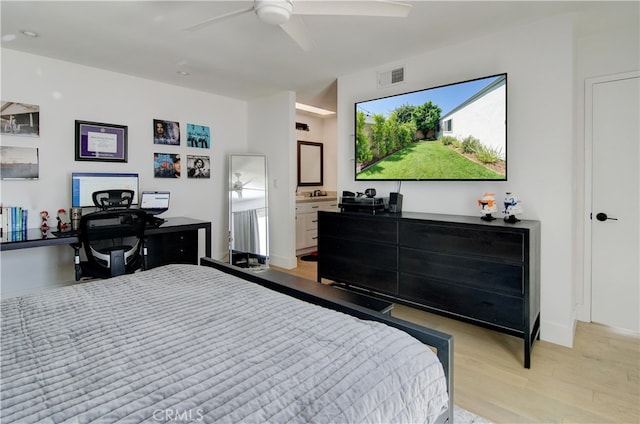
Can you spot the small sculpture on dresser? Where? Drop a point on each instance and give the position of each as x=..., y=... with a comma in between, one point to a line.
x=512, y=207
x=487, y=206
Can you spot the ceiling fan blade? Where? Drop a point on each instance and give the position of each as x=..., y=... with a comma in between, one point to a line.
x=297, y=30
x=352, y=8
x=210, y=21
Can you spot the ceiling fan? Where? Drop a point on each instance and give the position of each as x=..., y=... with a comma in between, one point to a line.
x=238, y=186
x=286, y=14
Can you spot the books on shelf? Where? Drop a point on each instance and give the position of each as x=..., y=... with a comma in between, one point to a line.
x=14, y=222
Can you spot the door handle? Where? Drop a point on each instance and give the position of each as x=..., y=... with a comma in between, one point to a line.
x=601, y=216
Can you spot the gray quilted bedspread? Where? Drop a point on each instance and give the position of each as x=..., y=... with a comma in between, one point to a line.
x=184, y=343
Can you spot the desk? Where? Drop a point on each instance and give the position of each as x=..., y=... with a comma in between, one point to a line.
x=176, y=240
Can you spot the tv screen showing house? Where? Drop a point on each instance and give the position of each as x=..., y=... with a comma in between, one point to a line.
x=452, y=132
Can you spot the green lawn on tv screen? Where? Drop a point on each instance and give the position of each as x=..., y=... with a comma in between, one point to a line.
x=429, y=160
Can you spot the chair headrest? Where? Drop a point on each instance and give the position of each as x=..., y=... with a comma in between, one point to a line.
x=112, y=199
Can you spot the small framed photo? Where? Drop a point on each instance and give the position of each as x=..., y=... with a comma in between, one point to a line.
x=19, y=163
x=198, y=136
x=166, y=165
x=101, y=142
x=19, y=119
x=198, y=166
x=166, y=132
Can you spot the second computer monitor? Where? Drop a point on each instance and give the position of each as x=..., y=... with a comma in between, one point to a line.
x=154, y=202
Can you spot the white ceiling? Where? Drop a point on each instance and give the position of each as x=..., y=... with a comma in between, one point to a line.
x=242, y=57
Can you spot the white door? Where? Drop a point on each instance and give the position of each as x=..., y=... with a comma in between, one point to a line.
x=615, y=223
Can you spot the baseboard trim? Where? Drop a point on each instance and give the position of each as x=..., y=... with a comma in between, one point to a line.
x=553, y=332
x=283, y=262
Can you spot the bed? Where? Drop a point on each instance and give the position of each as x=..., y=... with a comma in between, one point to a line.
x=213, y=344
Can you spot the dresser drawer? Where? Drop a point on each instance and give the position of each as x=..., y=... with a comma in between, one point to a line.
x=358, y=227
x=360, y=253
x=311, y=237
x=472, y=272
x=172, y=248
x=181, y=247
x=331, y=206
x=496, y=309
x=306, y=207
x=454, y=239
x=310, y=221
x=364, y=264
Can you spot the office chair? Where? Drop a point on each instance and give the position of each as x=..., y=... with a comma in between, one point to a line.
x=111, y=199
x=114, y=243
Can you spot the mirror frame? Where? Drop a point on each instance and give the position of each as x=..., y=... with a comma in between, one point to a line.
x=310, y=154
x=253, y=260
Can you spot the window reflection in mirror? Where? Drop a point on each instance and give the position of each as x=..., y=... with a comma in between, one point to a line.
x=248, y=211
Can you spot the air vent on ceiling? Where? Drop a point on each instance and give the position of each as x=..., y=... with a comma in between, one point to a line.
x=392, y=77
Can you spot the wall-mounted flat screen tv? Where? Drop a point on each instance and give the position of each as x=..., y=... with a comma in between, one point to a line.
x=454, y=132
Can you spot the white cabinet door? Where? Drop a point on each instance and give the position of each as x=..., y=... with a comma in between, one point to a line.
x=300, y=231
x=307, y=222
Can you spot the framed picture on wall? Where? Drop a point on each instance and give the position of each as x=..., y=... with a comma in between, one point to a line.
x=101, y=142
x=19, y=163
x=198, y=166
x=198, y=136
x=166, y=132
x=19, y=119
x=166, y=165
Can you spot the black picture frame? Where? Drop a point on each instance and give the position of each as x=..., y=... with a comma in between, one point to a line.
x=96, y=141
x=166, y=132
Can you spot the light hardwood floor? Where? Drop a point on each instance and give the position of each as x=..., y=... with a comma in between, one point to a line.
x=596, y=381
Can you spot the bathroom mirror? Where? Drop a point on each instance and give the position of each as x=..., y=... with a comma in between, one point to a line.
x=310, y=165
x=248, y=211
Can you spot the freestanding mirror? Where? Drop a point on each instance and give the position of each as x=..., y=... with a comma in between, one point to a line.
x=248, y=211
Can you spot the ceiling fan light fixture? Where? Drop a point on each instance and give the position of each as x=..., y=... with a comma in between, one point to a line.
x=274, y=12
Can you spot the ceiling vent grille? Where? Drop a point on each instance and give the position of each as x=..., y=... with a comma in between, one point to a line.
x=392, y=77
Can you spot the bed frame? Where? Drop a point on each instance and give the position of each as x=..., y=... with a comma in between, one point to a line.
x=330, y=297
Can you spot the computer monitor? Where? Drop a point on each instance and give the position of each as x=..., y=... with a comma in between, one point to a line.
x=154, y=202
x=83, y=184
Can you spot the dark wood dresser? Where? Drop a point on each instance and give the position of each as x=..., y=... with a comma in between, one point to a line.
x=483, y=272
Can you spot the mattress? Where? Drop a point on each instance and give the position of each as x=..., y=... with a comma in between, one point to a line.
x=185, y=343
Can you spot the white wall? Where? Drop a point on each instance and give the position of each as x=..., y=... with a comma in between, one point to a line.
x=539, y=61
x=67, y=92
x=330, y=154
x=272, y=132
